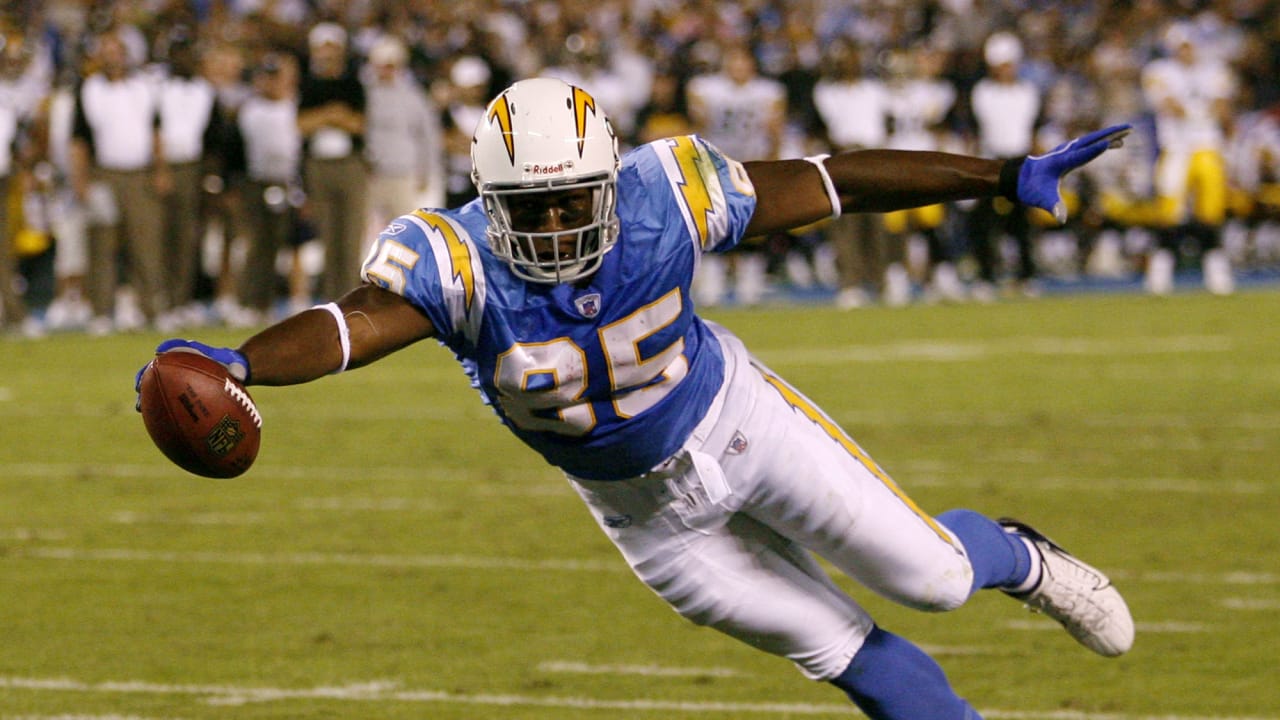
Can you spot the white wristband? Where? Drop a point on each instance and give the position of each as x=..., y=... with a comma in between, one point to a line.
x=344, y=334
x=832, y=195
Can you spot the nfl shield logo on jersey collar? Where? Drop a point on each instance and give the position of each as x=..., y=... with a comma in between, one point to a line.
x=588, y=305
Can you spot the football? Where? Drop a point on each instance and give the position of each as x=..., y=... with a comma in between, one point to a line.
x=199, y=416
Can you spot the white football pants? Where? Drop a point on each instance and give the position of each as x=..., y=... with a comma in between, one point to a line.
x=724, y=529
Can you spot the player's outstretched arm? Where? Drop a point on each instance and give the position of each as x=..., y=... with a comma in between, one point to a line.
x=793, y=193
x=310, y=345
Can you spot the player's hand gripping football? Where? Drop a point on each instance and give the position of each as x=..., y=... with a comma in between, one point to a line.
x=232, y=360
x=196, y=410
x=1039, y=176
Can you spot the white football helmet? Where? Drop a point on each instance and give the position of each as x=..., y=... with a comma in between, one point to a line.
x=544, y=135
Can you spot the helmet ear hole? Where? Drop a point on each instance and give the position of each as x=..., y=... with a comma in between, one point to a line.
x=527, y=142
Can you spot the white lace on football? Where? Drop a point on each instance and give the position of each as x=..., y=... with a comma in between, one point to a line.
x=238, y=394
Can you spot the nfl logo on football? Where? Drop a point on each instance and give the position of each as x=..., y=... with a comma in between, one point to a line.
x=224, y=436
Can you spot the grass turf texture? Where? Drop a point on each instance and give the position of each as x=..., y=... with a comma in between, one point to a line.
x=396, y=554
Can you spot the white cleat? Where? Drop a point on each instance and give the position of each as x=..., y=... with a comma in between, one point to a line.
x=1077, y=595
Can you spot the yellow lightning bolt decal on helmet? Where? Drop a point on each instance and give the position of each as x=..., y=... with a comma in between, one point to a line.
x=693, y=188
x=459, y=254
x=582, y=102
x=500, y=111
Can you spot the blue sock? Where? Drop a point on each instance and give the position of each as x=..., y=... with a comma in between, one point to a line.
x=891, y=679
x=999, y=560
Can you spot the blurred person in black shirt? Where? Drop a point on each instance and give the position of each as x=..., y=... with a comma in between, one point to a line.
x=331, y=116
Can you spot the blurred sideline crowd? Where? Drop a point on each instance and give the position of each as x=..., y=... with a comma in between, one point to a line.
x=171, y=164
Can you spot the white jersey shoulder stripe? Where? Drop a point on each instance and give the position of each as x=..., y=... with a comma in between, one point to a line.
x=462, y=279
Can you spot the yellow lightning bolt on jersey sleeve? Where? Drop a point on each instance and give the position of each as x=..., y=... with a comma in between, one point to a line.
x=460, y=256
x=696, y=173
x=459, y=274
x=693, y=187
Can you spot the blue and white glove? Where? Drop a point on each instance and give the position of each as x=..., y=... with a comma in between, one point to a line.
x=233, y=360
x=1034, y=180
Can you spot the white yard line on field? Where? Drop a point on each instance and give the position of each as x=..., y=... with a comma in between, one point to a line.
x=467, y=475
x=131, y=517
x=387, y=692
x=1133, y=485
x=1143, y=627
x=81, y=717
x=390, y=692
x=572, y=667
x=480, y=562
x=338, y=504
x=361, y=503
x=27, y=534
x=1228, y=577
x=923, y=473
x=965, y=351
x=884, y=417
x=1237, y=603
x=472, y=562
x=580, y=668
x=405, y=412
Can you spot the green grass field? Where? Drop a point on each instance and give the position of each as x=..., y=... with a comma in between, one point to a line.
x=396, y=554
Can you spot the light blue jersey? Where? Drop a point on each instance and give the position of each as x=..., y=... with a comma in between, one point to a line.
x=608, y=379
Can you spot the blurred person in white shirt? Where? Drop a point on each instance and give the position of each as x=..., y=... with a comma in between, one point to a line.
x=403, y=141
x=190, y=128
x=854, y=108
x=272, y=142
x=1007, y=110
x=742, y=113
x=919, y=102
x=119, y=172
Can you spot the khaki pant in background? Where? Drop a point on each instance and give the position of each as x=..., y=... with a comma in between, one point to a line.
x=338, y=198
x=863, y=249
x=182, y=232
x=137, y=230
x=269, y=227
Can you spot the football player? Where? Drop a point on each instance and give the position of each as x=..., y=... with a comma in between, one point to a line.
x=1192, y=94
x=564, y=292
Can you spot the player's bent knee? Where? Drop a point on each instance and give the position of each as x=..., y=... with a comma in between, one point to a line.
x=819, y=631
x=942, y=584
x=943, y=593
x=955, y=595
